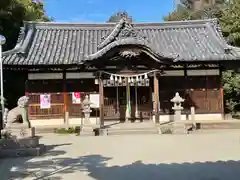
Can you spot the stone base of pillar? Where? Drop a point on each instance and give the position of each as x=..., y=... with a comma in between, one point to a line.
x=128, y=116
x=137, y=116
x=66, y=118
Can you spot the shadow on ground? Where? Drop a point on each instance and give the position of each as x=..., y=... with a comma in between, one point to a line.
x=21, y=167
x=96, y=167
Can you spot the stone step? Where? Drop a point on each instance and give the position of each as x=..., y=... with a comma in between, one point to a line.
x=46, y=130
x=52, y=129
x=128, y=131
x=87, y=133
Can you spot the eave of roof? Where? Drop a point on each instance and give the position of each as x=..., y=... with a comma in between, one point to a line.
x=39, y=42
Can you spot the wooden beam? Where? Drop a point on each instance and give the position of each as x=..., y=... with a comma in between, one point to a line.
x=101, y=100
x=156, y=98
x=40, y=76
x=205, y=72
x=80, y=75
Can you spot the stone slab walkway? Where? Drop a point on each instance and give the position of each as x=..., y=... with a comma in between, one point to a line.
x=211, y=156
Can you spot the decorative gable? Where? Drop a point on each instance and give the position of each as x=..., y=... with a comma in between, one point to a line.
x=123, y=30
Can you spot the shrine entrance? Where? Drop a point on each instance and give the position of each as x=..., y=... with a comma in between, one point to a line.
x=126, y=61
x=131, y=101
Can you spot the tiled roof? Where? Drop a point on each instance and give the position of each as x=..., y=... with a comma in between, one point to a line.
x=65, y=43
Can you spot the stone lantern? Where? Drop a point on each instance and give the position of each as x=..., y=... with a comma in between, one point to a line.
x=177, y=107
x=86, y=109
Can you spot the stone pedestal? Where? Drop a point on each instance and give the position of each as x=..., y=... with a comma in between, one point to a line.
x=86, y=118
x=177, y=113
x=87, y=131
x=179, y=128
x=20, y=133
x=19, y=142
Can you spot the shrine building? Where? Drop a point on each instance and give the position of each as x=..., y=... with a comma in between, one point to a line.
x=130, y=71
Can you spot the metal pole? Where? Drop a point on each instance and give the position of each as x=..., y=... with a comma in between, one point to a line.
x=2, y=41
x=1, y=74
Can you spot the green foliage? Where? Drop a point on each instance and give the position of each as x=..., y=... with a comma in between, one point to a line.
x=228, y=13
x=118, y=16
x=70, y=130
x=166, y=130
x=182, y=13
x=230, y=22
x=185, y=12
x=12, y=15
x=231, y=86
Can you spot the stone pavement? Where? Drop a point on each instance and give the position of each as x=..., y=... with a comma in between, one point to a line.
x=211, y=156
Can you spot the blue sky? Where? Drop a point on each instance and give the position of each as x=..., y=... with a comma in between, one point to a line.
x=101, y=10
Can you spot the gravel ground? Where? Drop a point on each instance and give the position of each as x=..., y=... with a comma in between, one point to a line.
x=211, y=156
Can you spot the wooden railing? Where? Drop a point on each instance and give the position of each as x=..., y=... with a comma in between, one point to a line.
x=56, y=109
x=204, y=100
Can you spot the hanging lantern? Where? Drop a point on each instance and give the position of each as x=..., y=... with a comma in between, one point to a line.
x=145, y=76
x=116, y=78
x=111, y=78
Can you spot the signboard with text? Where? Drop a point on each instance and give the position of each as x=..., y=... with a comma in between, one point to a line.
x=76, y=97
x=45, y=101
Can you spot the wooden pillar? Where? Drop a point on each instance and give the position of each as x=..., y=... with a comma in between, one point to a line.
x=65, y=100
x=128, y=103
x=221, y=90
x=186, y=90
x=156, y=97
x=101, y=101
x=26, y=88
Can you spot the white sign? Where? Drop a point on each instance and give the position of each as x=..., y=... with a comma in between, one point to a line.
x=45, y=101
x=94, y=99
x=76, y=98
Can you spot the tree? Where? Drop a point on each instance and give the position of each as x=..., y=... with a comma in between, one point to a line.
x=185, y=11
x=230, y=22
x=181, y=13
x=12, y=15
x=231, y=86
x=228, y=14
x=118, y=16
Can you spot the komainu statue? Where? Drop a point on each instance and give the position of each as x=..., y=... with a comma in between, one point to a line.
x=18, y=116
x=18, y=137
